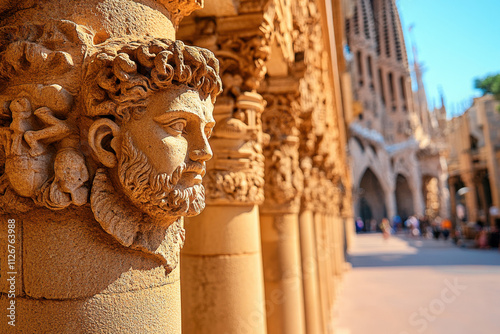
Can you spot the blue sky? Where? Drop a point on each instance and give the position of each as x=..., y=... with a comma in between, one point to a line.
x=457, y=41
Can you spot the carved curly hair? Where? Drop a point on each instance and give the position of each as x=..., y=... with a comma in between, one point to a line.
x=120, y=78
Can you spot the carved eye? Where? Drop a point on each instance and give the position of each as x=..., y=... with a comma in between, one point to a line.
x=178, y=126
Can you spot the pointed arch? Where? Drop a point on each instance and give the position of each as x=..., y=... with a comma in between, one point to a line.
x=371, y=199
x=404, y=197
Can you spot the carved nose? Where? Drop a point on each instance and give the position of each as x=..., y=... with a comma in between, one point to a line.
x=201, y=154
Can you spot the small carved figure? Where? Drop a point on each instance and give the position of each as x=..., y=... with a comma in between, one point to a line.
x=55, y=131
x=70, y=175
x=21, y=122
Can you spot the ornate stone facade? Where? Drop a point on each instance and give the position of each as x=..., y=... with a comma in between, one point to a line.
x=280, y=136
x=105, y=119
x=111, y=135
x=395, y=141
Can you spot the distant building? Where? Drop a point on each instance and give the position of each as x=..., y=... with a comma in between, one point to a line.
x=395, y=142
x=474, y=160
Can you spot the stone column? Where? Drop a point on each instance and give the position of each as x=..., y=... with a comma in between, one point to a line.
x=446, y=198
x=390, y=202
x=347, y=211
x=279, y=214
x=339, y=244
x=309, y=256
x=415, y=184
x=329, y=223
x=222, y=278
x=222, y=273
x=323, y=257
x=104, y=119
x=334, y=219
x=319, y=199
x=312, y=305
x=470, y=196
x=453, y=199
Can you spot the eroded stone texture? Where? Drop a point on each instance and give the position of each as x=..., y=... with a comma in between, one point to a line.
x=279, y=143
x=229, y=243
x=104, y=127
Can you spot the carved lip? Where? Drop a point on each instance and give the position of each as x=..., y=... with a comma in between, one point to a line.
x=196, y=168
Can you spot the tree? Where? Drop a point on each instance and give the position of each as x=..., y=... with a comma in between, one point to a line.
x=489, y=84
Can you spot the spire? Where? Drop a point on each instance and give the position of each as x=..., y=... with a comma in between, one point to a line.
x=441, y=95
x=442, y=109
x=420, y=93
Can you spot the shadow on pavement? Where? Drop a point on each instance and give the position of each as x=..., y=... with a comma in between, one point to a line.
x=401, y=251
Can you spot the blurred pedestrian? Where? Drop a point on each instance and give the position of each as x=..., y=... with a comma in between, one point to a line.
x=436, y=227
x=359, y=225
x=386, y=228
x=446, y=228
x=397, y=223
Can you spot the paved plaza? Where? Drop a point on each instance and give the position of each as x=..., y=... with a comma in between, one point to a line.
x=411, y=286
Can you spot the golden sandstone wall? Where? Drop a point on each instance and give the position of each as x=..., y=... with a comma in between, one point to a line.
x=105, y=122
x=278, y=187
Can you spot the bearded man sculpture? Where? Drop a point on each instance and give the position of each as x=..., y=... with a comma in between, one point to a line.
x=159, y=100
x=102, y=155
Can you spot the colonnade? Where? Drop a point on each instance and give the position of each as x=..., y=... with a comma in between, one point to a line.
x=267, y=254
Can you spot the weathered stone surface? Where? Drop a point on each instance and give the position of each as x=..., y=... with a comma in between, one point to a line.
x=144, y=311
x=278, y=143
x=104, y=127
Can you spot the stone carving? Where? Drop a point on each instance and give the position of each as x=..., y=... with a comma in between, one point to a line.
x=160, y=95
x=40, y=144
x=306, y=153
x=284, y=179
x=135, y=135
x=244, y=61
x=181, y=8
x=236, y=174
x=41, y=156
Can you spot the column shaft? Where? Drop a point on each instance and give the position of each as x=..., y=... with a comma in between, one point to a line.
x=221, y=272
x=282, y=273
x=322, y=263
x=312, y=304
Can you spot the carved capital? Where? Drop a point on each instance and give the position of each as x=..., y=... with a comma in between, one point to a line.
x=284, y=178
x=235, y=175
x=179, y=9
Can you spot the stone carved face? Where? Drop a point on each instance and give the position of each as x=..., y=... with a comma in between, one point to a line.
x=161, y=160
x=143, y=107
x=178, y=124
x=157, y=101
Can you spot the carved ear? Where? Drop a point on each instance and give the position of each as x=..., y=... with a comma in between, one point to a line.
x=102, y=140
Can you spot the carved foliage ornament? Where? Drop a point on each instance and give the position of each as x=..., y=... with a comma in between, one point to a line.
x=236, y=174
x=284, y=178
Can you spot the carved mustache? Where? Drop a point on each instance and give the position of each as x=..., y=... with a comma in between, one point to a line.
x=163, y=183
x=190, y=167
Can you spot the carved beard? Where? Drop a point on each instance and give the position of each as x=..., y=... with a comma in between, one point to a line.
x=157, y=194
